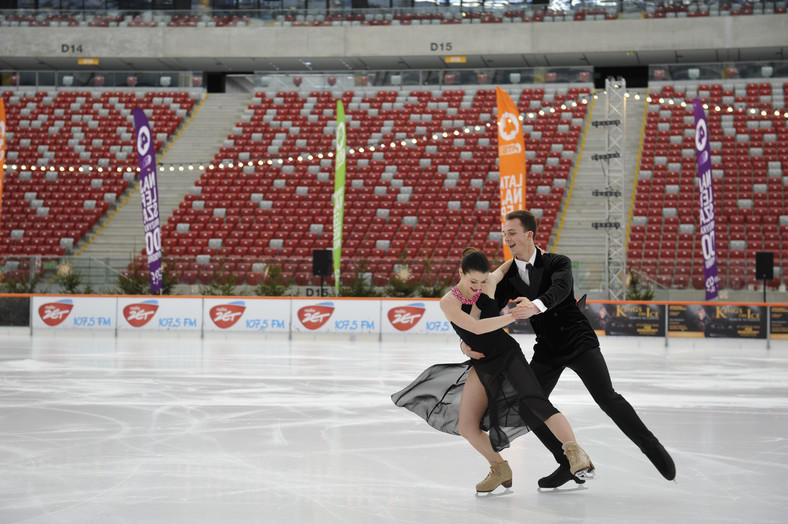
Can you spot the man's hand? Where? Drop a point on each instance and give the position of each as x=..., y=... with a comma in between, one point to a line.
x=468, y=352
x=524, y=309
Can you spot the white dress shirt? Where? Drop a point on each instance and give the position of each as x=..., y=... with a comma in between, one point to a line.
x=521, y=268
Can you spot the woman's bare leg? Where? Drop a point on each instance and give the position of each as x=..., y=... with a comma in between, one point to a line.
x=473, y=404
x=579, y=462
x=560, y=428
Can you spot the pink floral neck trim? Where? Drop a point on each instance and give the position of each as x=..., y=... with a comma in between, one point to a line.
x=456, y=292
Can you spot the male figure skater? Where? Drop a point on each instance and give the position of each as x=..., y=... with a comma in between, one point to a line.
x=564, y=339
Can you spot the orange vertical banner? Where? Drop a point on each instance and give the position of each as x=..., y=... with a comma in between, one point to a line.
x=511, y=158
x=2, y=154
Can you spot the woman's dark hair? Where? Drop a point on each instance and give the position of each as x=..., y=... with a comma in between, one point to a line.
x=474, y=260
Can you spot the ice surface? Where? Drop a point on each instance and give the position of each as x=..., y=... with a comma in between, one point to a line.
x=253, y=429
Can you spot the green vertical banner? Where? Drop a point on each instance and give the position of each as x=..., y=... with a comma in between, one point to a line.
x=339, y=190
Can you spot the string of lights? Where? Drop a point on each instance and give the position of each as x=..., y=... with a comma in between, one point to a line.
x=352, y=150
x=392, y=145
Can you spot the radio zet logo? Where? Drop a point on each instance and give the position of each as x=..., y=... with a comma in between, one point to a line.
x=139, y=314
x=55, y=313
x=404, y=318
x=314, y=317
x=226, y=315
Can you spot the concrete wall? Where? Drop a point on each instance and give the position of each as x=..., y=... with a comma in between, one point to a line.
x=566, y=43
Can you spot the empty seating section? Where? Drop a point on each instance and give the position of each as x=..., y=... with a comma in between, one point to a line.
x=69, y=155
x=749, y=148
x=695, y=9
x=338, y=17
x=417, y=202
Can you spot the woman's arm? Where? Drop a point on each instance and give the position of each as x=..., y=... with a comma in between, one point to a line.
x=497, y=275
x=451, y=308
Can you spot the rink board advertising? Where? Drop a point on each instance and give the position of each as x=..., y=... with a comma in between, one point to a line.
x=159, y=313
x=413, y=316
x=74, y=313
x=716, y=320
x=270, y=316
x=779, y=323
x=387, y=316
x=335, y=316
x=626, y=319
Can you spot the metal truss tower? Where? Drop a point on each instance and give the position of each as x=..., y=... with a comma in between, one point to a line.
x=613, y=167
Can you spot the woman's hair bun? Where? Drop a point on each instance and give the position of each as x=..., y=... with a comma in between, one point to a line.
x=474, y=260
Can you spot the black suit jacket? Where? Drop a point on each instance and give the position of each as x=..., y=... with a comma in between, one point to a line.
x=562, y=331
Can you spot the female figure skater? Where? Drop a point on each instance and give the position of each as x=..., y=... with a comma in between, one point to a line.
x=498, y=393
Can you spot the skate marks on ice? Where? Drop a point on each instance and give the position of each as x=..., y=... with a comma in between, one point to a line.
x=164, y=429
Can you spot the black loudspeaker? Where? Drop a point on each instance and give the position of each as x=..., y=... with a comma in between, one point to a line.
x=764, y=265
x=322, y=262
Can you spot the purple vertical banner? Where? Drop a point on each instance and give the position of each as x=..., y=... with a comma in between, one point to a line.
x=149, y=194
x=706, y=191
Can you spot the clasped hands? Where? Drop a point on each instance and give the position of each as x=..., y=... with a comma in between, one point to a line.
x=524, y=309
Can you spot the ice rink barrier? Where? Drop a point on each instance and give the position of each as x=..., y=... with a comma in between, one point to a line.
x=285, y=315
x=242, y=314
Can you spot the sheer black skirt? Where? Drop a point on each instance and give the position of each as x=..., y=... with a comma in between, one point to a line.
x=515, y=401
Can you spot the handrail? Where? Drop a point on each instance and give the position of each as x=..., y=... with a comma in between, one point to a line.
x=453, y=78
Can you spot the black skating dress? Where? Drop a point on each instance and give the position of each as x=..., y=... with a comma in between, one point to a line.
x=515, y=400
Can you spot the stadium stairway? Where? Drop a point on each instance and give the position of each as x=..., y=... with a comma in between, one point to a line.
x=577, y=239
x=122, y=236
x=205, y=133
